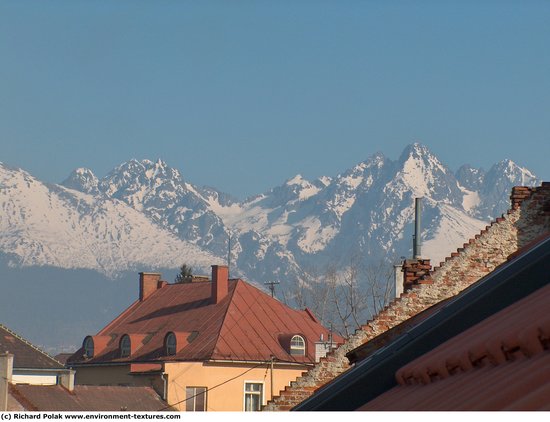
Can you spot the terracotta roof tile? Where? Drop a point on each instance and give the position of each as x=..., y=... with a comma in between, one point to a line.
x=502, y=363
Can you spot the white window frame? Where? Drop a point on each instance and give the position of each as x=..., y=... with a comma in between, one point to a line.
x=298, y=351
x=262, y=393
x=193, y=400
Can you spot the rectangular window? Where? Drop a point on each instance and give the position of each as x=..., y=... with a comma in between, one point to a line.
x=195, y=399
x=253, y=396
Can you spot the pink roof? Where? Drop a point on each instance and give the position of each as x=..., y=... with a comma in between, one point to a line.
x=246, y=325
x=502, y=363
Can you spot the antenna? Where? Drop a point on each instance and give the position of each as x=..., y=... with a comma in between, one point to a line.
x=417, y=241
x=229, y=254
x=272, y=285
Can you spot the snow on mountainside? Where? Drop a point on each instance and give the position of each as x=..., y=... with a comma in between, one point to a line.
x=44, y=224
x=163, y=196
x=367, y=211
x=145, y=216
x=454, y=228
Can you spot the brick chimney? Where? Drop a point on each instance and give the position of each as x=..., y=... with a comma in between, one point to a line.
x=414, y=270
x=220, y=274
x=519, y=194
x=148, y=284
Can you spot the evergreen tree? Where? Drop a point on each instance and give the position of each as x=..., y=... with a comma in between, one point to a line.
x=185, y=275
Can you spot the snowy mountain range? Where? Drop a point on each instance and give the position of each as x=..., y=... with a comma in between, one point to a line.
x=144, y=215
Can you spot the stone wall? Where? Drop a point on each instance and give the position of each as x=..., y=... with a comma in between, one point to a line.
x=528, y=218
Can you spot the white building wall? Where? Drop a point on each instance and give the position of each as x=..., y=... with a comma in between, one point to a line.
x=34, y=379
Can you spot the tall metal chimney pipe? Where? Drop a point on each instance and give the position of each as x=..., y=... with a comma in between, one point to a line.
x=417, y=240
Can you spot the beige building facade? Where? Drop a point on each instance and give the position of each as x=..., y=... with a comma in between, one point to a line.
x=220, y=345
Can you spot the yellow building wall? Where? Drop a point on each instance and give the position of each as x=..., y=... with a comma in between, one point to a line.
x=225, y=382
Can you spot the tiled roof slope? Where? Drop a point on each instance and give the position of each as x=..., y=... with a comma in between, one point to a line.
x=25, y=354
x=502, y=363
x=527, y=219
x=86, y=398
x=246, y=325
x=524, y=273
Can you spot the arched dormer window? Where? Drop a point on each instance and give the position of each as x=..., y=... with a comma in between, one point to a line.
x=297, y=346
x=88, y=346
x=170, y=344
x=125, y=346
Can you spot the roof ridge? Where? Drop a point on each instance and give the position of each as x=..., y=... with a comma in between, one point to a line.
x=383, y=321
x=518, y=195
x=219, y=333
x=481, y=235
x=28, y=343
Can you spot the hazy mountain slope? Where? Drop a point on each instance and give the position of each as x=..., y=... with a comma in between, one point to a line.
x=44, y=224
x=143, y=214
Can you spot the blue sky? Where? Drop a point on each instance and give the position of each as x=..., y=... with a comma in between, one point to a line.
x=243, y=95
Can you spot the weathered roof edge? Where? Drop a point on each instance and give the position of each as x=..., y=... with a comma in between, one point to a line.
x=307, y=384
x=510, y=282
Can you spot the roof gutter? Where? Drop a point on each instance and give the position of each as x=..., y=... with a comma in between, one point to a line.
x=53, y=370
x=375, y=375
x=260, y=362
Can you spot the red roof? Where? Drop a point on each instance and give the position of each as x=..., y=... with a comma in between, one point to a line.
x=87, y=398
x=246, y=325
x=502, y=363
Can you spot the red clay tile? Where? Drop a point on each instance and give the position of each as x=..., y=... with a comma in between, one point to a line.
x=502, y=363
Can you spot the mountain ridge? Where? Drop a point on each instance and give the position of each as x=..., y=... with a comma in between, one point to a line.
x=74, y=246
x=366, y=210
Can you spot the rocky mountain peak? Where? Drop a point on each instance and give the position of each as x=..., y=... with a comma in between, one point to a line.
x=83, y=180
x=367, y=209
x=469, y=177
x=422, y=174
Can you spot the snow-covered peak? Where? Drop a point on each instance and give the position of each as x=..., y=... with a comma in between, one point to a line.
x=297, y=180
x=363, y=174
x=83, y=180
x=514, y=172
x=497, y=183
x=366, y=209
x=377, y=160
x=63, y=227
x=135, y=175
x=301, y=188
x=421, y=173
x=416, y=150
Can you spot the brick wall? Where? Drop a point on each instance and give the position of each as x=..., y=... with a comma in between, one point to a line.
x=528, y=218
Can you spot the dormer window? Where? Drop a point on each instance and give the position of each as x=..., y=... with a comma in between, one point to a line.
x=125, y=346
x=88, y=347
x=297, y=346
x=170, y=344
